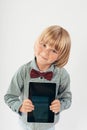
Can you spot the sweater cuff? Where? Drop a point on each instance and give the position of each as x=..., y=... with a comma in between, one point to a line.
x=16, y=106
x=62, y=104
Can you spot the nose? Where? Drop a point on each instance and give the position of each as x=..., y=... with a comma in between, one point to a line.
x=46, y=51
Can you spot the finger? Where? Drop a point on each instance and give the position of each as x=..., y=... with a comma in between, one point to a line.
x=55, y=105
x=27, y=109
x=55, y=111
x=28, y=101
x=28, y=104
x=54, y=108
x=55, y=101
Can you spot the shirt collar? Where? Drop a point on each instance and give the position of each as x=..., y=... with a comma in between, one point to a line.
x=34, y=66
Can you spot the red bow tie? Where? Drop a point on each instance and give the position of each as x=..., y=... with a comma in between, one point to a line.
x=36, y=74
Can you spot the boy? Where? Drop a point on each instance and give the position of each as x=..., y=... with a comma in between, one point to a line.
x=52, y=50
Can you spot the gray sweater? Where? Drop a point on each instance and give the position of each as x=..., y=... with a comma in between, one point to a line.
x=19, y=87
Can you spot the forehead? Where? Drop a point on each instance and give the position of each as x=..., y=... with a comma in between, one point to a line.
x=52, y=39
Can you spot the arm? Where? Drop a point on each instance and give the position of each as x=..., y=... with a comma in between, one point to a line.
x=64, y=94
x=15, y=89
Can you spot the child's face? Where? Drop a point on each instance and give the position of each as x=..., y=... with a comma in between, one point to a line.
x=45, y=54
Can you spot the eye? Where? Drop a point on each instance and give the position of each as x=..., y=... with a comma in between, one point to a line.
x=54, y=51
x=44, y=45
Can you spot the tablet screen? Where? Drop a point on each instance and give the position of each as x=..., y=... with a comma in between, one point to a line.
x=41, y=94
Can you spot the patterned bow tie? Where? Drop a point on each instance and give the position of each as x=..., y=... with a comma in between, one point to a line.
x=36, y=74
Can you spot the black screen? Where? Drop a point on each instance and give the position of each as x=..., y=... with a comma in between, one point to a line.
x=41, y=94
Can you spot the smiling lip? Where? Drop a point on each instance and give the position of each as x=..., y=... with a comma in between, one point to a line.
x=43, y=58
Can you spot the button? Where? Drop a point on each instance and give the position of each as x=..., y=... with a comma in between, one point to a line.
x=41, y=77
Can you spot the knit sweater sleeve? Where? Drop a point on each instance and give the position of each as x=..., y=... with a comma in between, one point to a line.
x=64, y=94
x=14, y=91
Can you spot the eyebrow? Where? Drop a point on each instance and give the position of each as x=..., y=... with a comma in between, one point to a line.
x=44, y=42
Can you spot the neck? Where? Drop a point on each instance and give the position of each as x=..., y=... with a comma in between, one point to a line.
x=42, y=67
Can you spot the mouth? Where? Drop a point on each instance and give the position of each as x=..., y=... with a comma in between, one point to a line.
x=43, y=57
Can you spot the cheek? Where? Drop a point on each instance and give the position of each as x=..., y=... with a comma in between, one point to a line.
x=53, y=58
x=37, y=50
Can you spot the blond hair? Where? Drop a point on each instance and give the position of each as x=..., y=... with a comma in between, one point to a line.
x=59, y=38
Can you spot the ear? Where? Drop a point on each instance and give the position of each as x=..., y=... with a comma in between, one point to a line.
x=34, y=48
x=36, y=42
x=35, y=45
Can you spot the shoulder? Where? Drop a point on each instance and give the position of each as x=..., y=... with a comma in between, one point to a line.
x=64, y=77
x=23, y=68
x=63, y=73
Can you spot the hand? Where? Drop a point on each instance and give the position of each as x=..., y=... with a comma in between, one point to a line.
x=27, y=106
x=55, y=106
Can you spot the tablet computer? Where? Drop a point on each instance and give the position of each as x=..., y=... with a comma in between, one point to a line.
x=41, y=94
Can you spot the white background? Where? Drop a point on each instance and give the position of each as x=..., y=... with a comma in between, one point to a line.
x=21, y=21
